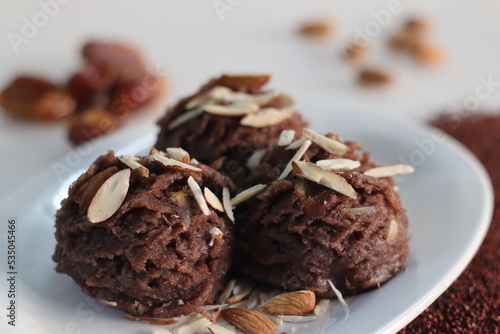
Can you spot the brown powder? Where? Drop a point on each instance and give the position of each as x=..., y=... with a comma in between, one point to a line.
x=472, y=303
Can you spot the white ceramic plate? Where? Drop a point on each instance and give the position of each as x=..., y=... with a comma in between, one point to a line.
x=449, y=202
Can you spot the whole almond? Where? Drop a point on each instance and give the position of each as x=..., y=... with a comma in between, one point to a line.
x=291, y=303
x=248, y=321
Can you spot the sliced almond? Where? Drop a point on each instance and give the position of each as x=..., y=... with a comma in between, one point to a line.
x=198, y=196
x=254, y=160
x=247, y=194
x=197, y=101
x=243, y=81
x=296, y=157
x=152, y=321
x=108, y=303
x=384, y=171
x=215, y=233
x=174, y=164
x=298, y=318
x=217, y=329
x=291, y=303
x=85, y=194
x=393, y=230
x=321, y=307
x=242, y=289
x=248, y=321
x=286, y=137
x=341, y=300
x=338, y=164
x=213, y=200
x=226, y=202
x=227, y=291
x=328, y=179
x=224, y=94
x=296, y=144
x=328, y=144
x=133, y=163
x=184, y=117
x=109, y=197
x=277, y=321
x=267, y=117
x=198, y=324
x=178, y=154
x=235, y=109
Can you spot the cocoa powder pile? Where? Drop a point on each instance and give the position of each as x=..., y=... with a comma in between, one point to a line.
x=472, y=303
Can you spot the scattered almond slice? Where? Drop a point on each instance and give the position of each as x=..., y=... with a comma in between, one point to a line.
x=291, y=303
x=296, y=157
x=227, y=291
x=248, y=321
x=215, y=233
x=198, y=324
x=298, y=318
x=235, y=109
x=109, y=197
x=362, y=210
x=213, y=200
x=153, y=321
x=341, y=300
x=184, y=117
x=328, y=144
x=247, y=194
x=178, y=154
x=242, y=289
x=226, y=202
x=321, y=307
x=174, y=164
x=276, y=321
x=338, y=164
x=217, y=329
x=286, y=137
x=393, y=230
x=198, y=196
x=328, y=179
x=132, y=162
x=254, y=160
x=384, y=171
x=213, y=307
x=253, y=299
x=266, y=117
x=296, y=144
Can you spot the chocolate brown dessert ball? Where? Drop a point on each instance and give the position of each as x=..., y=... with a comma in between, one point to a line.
x=327, y=213
x=139, y=235
x=227, y=120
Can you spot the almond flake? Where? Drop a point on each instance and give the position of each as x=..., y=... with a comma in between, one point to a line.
x=338, y=164
x=227, y=291
x=213, y=307
x=242, y=289
x=152, y=321
x=384, y=171
x=291, y=303
x=254, y=160
x=216, y=329
x=328, y=179
x=213, y=200
x=174, y=164
x=298, y=318
x=131, y=162
x=178, y=154
x=247, y=194
x=194, y=161
x=296, y=144
x=224, y=94
x=198, y=196
x=393, y=230
x=108, y=303
x=215, y=232
x=109, y=197
x=321, y=307
x=197, y=101
x=276, y=321
x=253, y=299
x=226, y=202
x=297, y=156
x=184, y=117
x=235, y=109
x=286, y=137
x=267, y=117
x=328, y=144
x=341, y=300
x=198, y=324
